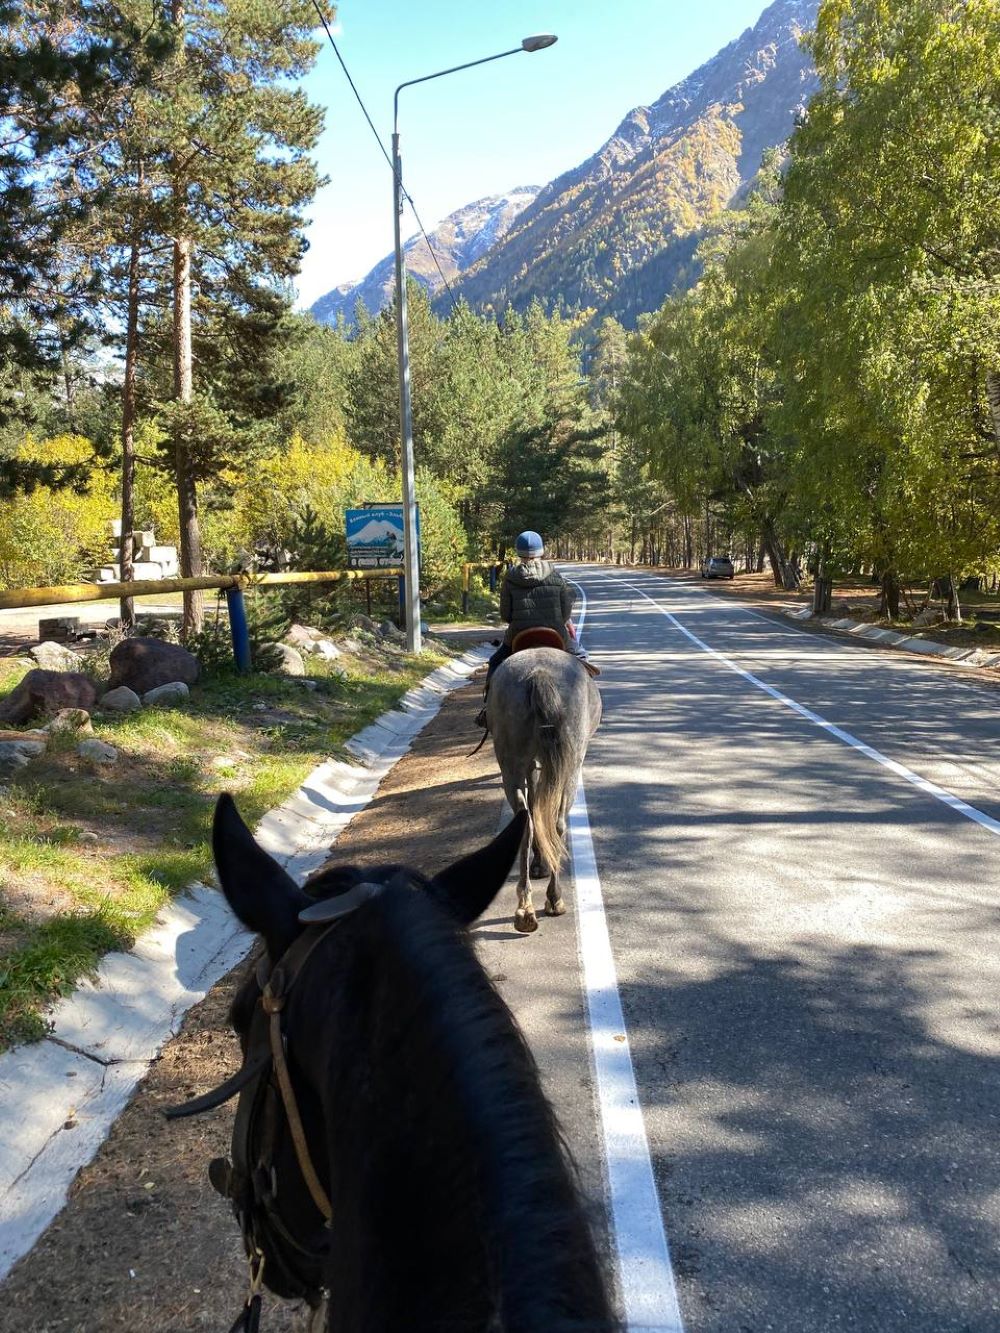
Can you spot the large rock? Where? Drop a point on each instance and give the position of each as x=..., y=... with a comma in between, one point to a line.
x=326, y=649
x=144, y=663
x=121, y=700
x=97, y=752
x=15, y=755
x=171, y=695
x=56, y=657
x=302, y=638
x=70, y=719
x=387, y=630
x=48, y=692
x=361, y=621
x=289, y=660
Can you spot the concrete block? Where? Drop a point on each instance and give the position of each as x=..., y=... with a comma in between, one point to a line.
x=401, y=723
x=926, y=647
x=138, y=998
x=160, y=555
x=59, y=629
x=283, y=832
x=303, y=864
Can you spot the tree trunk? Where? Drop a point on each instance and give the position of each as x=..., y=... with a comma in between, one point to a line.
x=954, y=604
x=68, y=389
x=993, y=398
x=782, y=569
x=823, y=587
x=187, y=491
x=889, y=602
x=126, y=554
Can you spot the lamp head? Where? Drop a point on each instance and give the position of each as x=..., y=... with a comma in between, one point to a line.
x=539, y=41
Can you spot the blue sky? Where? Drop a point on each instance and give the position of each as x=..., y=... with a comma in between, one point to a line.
x=519, y=121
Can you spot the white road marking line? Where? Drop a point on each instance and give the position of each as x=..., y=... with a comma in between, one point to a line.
x=645, y=1273
x=583, y=614
x=923, y=784
x=885, y=653
x=646, y=1277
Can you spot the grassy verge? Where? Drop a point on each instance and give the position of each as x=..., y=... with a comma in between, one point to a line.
x=88, y=856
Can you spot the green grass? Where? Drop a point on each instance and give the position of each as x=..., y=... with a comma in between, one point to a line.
x=48, y=962
x=152, y=812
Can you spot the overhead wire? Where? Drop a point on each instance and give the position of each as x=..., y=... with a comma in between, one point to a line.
x=378, y=139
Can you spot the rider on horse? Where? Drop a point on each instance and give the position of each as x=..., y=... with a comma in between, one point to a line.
x=534, y=595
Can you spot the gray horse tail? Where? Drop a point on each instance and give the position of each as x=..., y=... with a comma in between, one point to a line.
x=555, y=755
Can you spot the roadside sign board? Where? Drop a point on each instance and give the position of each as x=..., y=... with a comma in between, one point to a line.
x=375, y=536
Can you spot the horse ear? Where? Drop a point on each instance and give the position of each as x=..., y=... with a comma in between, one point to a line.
x=264, y=897
x=467, y=888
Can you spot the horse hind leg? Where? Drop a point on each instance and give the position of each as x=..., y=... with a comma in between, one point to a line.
x=554, y=905
x=525, y=920
x=538, y=866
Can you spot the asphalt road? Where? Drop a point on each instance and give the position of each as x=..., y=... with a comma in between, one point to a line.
x=807, y=945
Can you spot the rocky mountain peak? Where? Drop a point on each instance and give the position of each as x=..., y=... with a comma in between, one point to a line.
x=458, y=242
x=619, y=232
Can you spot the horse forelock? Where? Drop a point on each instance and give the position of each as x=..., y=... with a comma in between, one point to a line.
x=334, y=881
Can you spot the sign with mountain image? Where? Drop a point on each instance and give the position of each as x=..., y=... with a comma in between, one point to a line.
x=375, y=536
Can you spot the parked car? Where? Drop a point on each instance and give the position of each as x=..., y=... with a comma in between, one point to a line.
x=718, y=567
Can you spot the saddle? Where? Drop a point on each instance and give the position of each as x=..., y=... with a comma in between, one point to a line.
x=539, y=636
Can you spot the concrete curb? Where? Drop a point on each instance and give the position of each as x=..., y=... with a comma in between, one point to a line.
x=888, y=638
x=60, y=1097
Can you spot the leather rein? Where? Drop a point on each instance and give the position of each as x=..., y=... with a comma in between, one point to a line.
x=267, y=1105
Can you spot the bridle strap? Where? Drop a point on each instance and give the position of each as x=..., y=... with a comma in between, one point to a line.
x=273, y=1005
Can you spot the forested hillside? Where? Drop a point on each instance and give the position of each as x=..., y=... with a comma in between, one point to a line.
x=618, y=233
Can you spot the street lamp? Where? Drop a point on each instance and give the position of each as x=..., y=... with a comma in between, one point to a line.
x=411, y=561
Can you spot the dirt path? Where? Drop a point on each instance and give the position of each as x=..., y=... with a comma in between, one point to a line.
x=144, y=1243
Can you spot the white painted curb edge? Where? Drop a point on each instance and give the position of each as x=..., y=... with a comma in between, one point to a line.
x=60, y=1097
x=909, y=643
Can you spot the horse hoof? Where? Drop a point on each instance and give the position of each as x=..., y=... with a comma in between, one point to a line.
x=558, y=908
x=525, y=922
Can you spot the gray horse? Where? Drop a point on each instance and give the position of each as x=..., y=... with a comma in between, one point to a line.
x=542, y=710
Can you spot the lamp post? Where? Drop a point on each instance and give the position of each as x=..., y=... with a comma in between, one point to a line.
x=411, y=559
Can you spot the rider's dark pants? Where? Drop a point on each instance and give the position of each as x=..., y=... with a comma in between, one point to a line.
x=501, y=655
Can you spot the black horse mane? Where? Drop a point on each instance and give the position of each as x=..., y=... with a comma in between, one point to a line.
x=432, y=1088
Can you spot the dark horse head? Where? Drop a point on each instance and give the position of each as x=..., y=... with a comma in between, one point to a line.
x=453, y=1204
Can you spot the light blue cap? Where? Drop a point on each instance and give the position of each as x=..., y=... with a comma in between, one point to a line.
x=529, y=544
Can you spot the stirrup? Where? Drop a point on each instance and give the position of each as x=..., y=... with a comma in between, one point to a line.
x=481, y=718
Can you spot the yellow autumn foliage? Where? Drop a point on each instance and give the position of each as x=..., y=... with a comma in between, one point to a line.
x=325, y=478
x=56, y=535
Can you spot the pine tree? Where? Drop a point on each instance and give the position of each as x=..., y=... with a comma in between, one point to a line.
x=236, y=141
x=55, y=67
